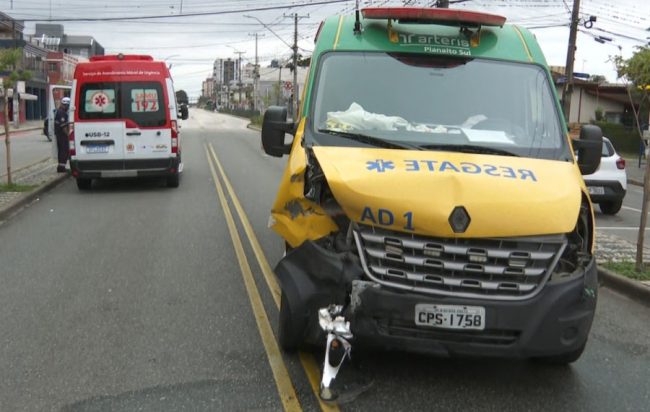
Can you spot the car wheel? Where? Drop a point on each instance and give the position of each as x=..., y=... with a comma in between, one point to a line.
x=564, y=358
x=611, y=208
x=173, y=180
x=291, y=329
x=84, y=184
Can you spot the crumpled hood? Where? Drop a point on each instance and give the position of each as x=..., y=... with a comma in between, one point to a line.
x=416, y=191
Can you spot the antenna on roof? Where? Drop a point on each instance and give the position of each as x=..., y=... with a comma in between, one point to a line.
x=357, y=23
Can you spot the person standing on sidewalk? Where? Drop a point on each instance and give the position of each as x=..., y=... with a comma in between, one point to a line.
x=61, y=133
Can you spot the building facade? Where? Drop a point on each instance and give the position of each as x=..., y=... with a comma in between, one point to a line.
x=30, y=103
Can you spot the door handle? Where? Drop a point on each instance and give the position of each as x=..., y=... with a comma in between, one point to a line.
x=133, y=133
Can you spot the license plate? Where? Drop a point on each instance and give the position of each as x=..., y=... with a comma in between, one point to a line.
x=450, y=316
x=97, y=148
x=596, y=190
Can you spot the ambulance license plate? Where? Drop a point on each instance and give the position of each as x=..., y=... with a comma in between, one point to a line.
x=596, y=190
x=97, y=148
x=450, y=316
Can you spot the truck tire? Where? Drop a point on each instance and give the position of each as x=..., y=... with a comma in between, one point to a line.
x=611, y=208
x=291, y=329
x=173, y=180
x=564, y=358
x=84, y=184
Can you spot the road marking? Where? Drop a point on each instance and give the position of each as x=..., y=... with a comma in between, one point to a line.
x=306, y=359
x=619, y=228
x=269, y=276
x=280, y=374
x=631, y=208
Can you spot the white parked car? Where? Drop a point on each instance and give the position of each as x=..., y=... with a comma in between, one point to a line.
x=607, y=186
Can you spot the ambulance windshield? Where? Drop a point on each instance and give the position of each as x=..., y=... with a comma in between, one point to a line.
x=433, y=101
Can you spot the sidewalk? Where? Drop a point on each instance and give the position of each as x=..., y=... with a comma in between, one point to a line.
x=29, y=125
x=42, y=175
x=634, y=172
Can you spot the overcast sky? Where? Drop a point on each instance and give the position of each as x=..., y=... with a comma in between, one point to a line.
x=191, y=44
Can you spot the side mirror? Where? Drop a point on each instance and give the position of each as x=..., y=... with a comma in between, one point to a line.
x=589, y=147
x=184, y=112
x=274, y=127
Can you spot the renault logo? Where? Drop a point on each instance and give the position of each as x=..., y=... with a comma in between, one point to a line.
x=459, y=219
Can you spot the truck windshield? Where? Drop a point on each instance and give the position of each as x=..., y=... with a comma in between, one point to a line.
x=437, y=103
x=141, y=102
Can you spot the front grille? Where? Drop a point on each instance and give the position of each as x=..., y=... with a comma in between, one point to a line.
x=506, y=269
x=486, y=337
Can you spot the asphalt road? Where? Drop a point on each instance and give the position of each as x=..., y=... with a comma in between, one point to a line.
x=625, y=223
x=132, y=297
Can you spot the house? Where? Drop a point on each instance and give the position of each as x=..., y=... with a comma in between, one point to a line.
x=53, y=37
x=31, y=104
x=589, y=97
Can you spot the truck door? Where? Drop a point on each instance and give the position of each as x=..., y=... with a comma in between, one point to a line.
x=99, y=131
x=148, y=131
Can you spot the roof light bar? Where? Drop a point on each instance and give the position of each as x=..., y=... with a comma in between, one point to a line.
x=433, y=15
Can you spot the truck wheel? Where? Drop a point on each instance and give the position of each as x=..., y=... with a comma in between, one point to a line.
x=84, y=184
x=291, y=329
x=611, y=208
x=564, y=358
x=173, y=180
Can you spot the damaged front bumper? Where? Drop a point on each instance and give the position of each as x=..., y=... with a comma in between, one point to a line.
x=557, y=320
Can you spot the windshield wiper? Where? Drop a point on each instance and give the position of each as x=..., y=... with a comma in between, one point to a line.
x=372, y=140
x=468, y=148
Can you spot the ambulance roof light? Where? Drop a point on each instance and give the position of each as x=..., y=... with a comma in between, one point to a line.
x=113, y=57
x=433, y=16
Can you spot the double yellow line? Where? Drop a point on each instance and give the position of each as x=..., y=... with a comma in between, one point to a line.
x=283, y=382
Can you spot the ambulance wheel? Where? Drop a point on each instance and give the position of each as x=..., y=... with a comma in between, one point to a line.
x=290, y=329
x=173, y=180
x=84, y=184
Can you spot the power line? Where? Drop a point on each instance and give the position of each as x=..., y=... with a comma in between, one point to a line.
x=210, y=13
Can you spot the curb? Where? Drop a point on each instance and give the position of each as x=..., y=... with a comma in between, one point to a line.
x=26, y=129
x=634, y=182
x=254, y=127
x=26, y=198
x=630, y=288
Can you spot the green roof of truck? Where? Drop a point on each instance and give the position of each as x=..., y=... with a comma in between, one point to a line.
x=510, y=42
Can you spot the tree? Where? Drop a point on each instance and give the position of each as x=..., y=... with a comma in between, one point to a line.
x=637, y=71
x=10, y=60
x=597, y=78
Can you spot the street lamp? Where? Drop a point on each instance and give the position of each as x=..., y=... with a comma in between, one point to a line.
x=269, y=29
x=240, y=82
x=169, y=57
x=295, y=54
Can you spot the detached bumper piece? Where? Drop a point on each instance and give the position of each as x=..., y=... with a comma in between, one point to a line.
x=337, y=347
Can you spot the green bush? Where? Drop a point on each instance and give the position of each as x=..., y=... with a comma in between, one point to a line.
x=249, y=114
x=625, y=140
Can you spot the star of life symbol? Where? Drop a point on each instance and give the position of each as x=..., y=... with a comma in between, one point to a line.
x=100, y=100
x=380, y=165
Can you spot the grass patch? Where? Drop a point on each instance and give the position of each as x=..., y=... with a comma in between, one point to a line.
x=15, y=187
x=627, y=269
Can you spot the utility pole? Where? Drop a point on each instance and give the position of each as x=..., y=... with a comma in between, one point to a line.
x=256, y=76
x=570, y=56
x=240, y=83
x=296, y=91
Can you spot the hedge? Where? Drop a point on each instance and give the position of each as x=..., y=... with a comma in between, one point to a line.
x=625, y=139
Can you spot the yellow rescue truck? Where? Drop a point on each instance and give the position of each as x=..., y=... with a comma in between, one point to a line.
x=432, y=200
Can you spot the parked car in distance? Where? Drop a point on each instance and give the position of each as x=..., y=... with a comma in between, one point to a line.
x=607, y=186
